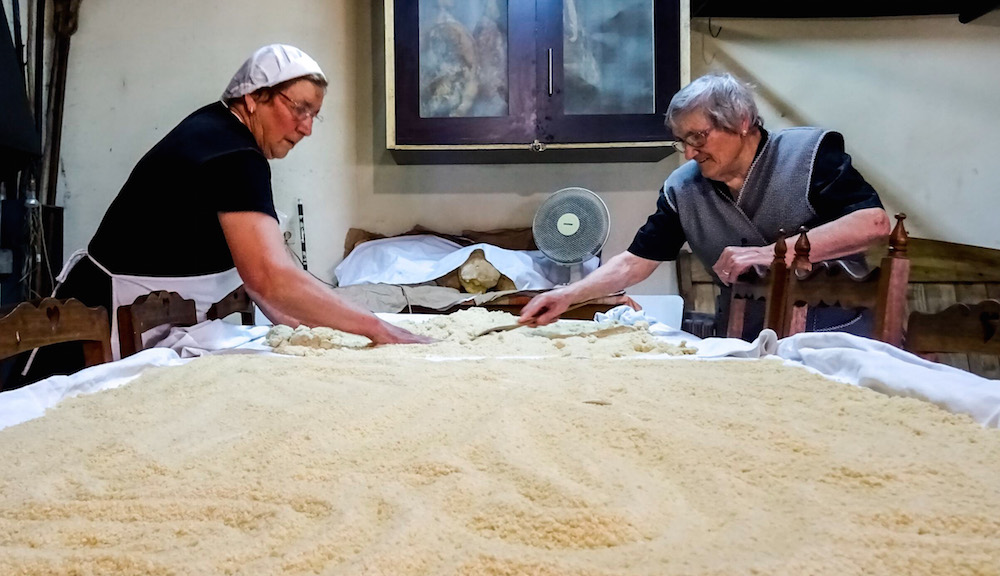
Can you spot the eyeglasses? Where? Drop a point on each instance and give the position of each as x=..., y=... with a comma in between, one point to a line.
x=299, y=110
x=693, y=140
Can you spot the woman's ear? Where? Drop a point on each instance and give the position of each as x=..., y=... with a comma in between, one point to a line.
x=250, y=103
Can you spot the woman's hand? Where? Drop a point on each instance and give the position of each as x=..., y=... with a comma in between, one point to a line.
x=391, y=334
x=545, y=308
x=736, y=260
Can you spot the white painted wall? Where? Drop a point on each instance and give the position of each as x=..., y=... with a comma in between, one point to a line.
x=916, y=98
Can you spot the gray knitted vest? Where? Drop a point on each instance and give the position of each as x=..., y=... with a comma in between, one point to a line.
x=775, y=195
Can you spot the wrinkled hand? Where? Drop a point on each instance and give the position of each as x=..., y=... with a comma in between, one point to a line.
x=391, y=334
x=736, y=260
x=545, y=308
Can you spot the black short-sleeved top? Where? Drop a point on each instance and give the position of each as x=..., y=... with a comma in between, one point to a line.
x=835, y=189
x=164, y=221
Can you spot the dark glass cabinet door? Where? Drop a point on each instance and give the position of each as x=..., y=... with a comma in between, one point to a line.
x=609, y=69
x=464, y=71
x=482, y=73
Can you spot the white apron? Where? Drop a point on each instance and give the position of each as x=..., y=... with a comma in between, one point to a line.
x=205, y=290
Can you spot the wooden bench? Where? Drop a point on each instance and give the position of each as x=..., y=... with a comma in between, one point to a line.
x=945, y=273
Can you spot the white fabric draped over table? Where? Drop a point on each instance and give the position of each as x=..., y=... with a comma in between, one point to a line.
x=850, y=359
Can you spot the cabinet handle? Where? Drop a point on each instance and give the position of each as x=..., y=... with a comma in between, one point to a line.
x=550, y=71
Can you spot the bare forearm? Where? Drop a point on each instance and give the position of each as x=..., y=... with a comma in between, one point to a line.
x=619, y=273
x=289, y=294
x=847, y=235
x=273, y=315
x=293, y=294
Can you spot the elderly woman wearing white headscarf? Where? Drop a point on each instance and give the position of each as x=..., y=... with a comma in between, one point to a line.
x=197, y=216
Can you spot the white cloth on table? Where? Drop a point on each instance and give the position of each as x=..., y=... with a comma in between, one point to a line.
x=766, y=343
x=32, y=401
x=843, y=357
x=214, y=336
x=624, y=314
x=889, y=370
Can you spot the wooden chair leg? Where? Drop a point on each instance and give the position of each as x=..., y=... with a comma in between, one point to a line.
x=891, y=307
x=96, y=352
x=99, y=351
x=796, y=321
x=126, y=342
x=737, y=317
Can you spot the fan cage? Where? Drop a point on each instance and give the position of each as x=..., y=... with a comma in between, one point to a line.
x=590, y=237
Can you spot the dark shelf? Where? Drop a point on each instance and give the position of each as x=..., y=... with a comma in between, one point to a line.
x=967, y=10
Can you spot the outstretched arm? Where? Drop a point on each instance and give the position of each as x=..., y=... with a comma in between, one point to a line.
x=619, y=273
x=849, y=234
x=285, y=292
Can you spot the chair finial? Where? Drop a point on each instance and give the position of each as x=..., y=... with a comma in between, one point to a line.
x=780, y=246
x=802, y=248
x=898, y=239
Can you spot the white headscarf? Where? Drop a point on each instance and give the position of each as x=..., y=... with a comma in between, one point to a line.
x=269, y=66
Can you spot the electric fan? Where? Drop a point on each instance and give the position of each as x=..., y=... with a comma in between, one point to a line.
x=570, y=227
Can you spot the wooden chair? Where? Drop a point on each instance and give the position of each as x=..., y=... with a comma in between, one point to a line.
x=788, y=293
x=960, y=328
x=149, y=311
x=236, y=302
x=882, y=290
x=52, y=321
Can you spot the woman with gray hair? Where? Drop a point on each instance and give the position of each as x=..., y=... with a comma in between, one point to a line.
x=739, y=186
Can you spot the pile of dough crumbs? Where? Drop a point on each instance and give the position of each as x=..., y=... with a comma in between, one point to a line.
x=455, y=336
x=344, y=466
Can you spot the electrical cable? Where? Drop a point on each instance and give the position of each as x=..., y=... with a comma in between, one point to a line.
x=34, y=257
x=409, y=307
x=296, y=256
x=46, y=260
